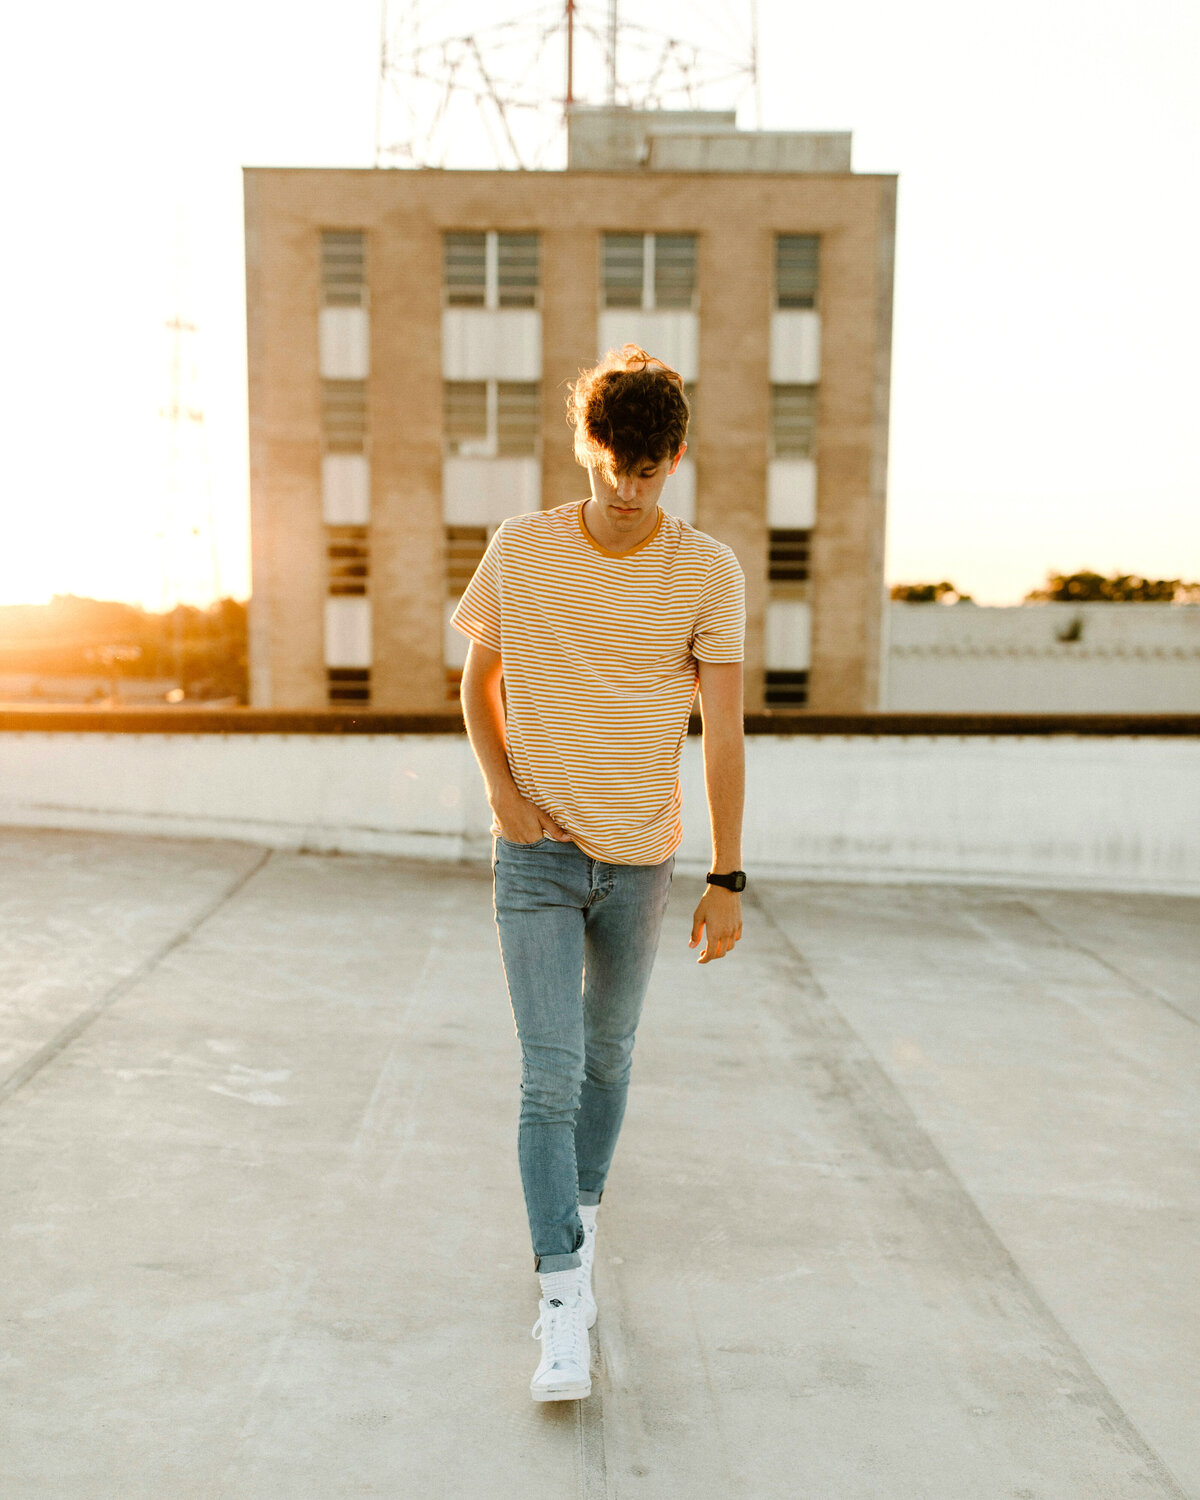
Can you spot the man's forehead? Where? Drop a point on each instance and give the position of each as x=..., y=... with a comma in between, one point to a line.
x=609, y=464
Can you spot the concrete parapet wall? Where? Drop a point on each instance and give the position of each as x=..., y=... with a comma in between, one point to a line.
x=1066, y=810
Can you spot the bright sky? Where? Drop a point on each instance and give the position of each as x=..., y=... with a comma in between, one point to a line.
x=1046, y=370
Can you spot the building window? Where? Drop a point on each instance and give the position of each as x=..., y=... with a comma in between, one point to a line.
x=793, y=421
x=343, y=268
x=348, y=684
x=674, y=269
x=465, y=546
x=465, y=406
x=517, y=270
x=492, y=418
x=787, y=689
x=466, y=269
x=796, y=270
x=344, y=415
x=789, y=556
x=624, y=269
x=518, y=418
x=649, y=270
x=491, y=270
x=348, y=558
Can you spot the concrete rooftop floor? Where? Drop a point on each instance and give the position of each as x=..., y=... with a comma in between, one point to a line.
x=906, y=1202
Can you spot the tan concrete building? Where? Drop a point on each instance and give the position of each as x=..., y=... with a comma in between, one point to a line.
x=411, y=337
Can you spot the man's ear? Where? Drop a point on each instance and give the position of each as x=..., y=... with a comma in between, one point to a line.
x=678, y=456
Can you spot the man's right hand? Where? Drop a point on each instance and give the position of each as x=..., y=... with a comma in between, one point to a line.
x=523, y=822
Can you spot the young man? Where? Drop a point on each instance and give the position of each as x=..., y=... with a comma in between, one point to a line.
x=601, y=616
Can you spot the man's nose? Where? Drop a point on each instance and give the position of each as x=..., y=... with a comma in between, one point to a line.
x=626, y=488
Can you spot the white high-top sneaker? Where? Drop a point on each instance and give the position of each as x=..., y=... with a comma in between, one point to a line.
x=587, y=1257
x=565, y=1372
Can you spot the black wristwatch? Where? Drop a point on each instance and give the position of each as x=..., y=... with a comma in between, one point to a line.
x=735, y=881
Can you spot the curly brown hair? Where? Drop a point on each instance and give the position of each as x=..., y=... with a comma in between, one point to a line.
x=628, y=410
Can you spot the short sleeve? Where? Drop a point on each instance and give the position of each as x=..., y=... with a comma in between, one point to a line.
x=478, y=611
x=720, y=633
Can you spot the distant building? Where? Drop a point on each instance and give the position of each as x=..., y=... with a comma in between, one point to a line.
x=411, y=335
x=1043, y=658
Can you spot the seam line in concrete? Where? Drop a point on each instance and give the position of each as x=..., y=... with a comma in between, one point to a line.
x=1138, y=986
x=886, y=1095
x=593, y=1468
x=77, y=1026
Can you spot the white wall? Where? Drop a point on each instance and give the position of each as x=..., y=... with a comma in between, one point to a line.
x=962, y=658
x=1067, y=811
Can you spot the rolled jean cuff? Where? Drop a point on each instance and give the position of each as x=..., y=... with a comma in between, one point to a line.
x=545, y=1263
x=589, y=1197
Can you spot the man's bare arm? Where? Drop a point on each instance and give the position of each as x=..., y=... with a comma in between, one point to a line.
x=483, y=714
x=720, y=911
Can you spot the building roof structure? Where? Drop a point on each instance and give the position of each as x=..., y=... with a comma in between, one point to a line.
x=904, y=1201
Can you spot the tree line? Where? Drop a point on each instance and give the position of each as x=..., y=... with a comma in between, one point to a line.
x=203, y=650
x=1067, y=588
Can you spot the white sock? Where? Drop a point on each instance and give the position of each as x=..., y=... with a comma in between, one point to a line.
x=587, y=1214
x=561, y=1284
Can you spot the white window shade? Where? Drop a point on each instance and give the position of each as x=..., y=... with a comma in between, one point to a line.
x=788, y=635
x=483, y=491
x=345, y=489
x=479, y=344
x=348, y=632
x=791, y=494
x=795, y=347
x=343, y=343
x=672, y=336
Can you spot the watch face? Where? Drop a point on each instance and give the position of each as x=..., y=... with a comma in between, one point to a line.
x=739, y=881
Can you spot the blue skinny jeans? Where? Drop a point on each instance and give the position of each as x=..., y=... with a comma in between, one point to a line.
x=578, y=938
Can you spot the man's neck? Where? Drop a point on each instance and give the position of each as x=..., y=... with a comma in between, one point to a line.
x=612, y=541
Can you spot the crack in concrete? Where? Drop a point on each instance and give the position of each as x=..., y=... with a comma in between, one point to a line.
x=74, y=1028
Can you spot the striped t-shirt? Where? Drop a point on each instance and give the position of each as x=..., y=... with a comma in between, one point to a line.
x=600, y=651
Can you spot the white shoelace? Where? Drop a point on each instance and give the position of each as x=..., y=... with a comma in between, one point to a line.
x=565, y=1332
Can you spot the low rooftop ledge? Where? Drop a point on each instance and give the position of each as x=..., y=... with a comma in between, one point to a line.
x=81, y=720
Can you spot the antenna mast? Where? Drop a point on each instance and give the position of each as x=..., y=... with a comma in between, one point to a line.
x=612, y=51
x=497, y=92
x=570, y=53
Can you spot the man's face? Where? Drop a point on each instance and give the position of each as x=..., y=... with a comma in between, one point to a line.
x=628, y=499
